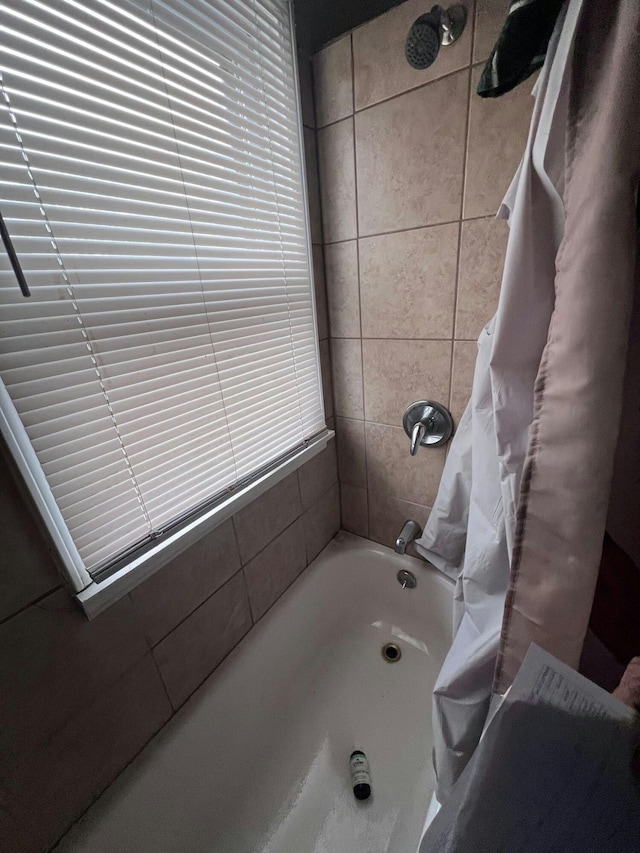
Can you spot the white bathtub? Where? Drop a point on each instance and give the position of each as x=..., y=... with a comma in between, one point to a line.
x=257, y=761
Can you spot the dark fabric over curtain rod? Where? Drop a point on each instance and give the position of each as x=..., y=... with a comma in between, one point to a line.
x=521, y=46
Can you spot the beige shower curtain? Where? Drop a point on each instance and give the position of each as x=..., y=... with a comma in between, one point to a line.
x=566, y=479
x=520, y=513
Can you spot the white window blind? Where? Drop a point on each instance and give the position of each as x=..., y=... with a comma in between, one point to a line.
x=152, y=187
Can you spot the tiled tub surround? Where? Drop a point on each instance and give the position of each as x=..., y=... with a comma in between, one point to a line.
x=413, y=166
x=79, y=699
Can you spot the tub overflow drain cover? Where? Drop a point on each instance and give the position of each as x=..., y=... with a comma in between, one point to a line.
x=391, y=652
x=407, y=580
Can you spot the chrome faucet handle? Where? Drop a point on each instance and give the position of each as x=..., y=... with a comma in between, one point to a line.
x=421, y=428
x=428, y=424
x=417, y=434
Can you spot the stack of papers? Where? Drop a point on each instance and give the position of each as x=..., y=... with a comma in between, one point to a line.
x=552, y=773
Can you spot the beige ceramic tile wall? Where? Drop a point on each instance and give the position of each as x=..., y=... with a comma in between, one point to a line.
x=413, y=166
x=79, y=698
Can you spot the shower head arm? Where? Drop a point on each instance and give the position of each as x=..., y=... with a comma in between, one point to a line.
x=430, y=31
x=452, y=23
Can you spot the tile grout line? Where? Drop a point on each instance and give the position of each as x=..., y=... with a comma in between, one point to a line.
x=357, y=111
x=162, y=681
x=302, y=509
x=314, y=130
x=400, y=340
x=355, y=172
x=413, y=228
x=462, y=203
x=153, y=646
x=36, y=601
x=474, y=7
x=246, y=591
x=322, y=244
x=198, y=606
x=316, y=144
x=209, y=674
x=244, y=577
x=307, y=561
x=396, y=426
x=235, y=533
x=277, y=536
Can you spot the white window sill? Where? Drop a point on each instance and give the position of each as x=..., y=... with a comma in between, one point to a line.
x=99, y=595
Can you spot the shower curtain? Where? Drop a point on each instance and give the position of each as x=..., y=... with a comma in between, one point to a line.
x=520, y=513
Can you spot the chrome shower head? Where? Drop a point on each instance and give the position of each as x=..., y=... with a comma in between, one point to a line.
x=429, y=31
x=423, y=41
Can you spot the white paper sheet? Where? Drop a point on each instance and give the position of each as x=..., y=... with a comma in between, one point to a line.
x=551, y=774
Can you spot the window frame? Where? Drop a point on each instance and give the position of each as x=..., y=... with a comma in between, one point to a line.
x=95, y=594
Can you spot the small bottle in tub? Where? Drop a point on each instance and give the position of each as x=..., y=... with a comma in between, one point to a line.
x=360, y=778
